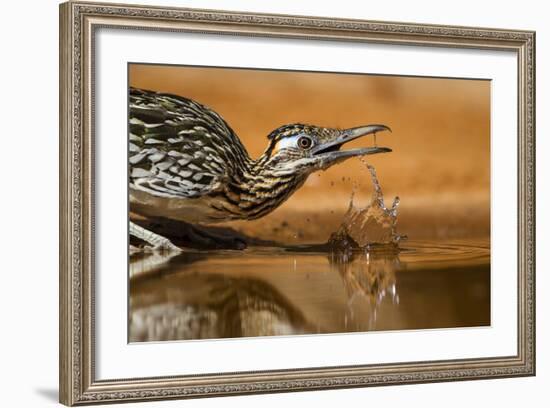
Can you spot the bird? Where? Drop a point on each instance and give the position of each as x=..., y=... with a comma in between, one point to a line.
x=187, y=164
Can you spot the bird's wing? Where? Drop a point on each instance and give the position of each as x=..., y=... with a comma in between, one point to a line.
x=178, y=147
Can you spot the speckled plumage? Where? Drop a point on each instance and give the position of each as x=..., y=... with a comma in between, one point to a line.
x=177, y=146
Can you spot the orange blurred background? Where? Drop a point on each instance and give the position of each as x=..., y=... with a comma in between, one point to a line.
x=439, y=167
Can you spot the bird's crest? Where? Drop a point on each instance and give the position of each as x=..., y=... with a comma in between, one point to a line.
x=290, y=130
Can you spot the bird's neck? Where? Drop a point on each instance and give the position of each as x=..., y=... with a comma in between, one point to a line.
x=257, y=189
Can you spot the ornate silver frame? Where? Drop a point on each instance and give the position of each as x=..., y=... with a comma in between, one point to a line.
x=78, y=22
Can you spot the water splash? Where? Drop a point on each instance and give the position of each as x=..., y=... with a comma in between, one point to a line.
x=371, y=226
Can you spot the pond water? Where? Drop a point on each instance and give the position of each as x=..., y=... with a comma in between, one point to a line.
x=266, y=291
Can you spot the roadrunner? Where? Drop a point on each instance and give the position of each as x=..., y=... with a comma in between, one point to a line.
x=187, y=164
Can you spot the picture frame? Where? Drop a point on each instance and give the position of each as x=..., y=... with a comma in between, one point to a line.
x=79, y=25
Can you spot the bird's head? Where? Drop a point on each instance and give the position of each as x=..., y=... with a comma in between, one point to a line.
x=299, y=150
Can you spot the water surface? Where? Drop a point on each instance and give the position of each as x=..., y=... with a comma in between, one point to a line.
x=265, y=291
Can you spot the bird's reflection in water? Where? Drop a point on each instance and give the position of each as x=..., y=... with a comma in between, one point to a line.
x=369, y=276
x=205, y=306
x=171, y=298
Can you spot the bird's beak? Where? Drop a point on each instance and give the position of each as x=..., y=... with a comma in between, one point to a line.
x=328, y=151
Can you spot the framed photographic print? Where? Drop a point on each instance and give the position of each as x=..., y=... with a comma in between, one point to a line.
x=258, y=203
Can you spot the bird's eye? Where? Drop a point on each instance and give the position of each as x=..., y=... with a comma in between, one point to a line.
x=305, y=142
